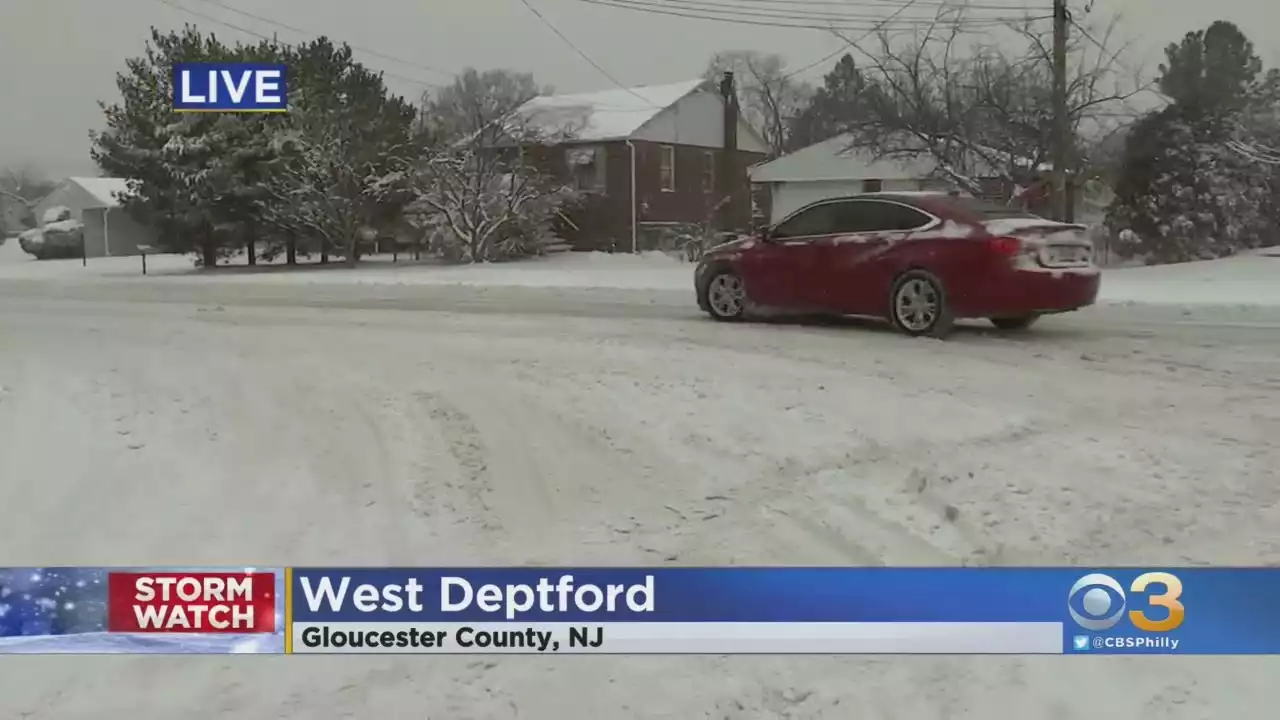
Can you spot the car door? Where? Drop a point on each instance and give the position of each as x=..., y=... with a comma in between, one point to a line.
x=781, y=271
x=856, y=272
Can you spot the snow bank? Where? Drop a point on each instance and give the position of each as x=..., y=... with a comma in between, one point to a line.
x=1252, y=279
x=646, y=271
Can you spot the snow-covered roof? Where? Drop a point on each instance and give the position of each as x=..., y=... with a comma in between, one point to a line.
x=837, y=159
x=102, y=189
x=599, y=116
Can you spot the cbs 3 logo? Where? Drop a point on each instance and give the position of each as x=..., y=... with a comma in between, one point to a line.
x=1100, y=606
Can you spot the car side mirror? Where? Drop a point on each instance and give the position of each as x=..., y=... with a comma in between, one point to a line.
x=766, y=233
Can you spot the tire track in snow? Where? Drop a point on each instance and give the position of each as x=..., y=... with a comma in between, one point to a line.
x=465, y=492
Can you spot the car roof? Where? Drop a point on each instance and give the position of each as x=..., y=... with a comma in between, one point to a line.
x=941, y=203
x=955, y=206
x=927, y=200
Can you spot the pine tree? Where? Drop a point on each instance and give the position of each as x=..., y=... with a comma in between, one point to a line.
x=837, y=103
x=191, y=175
x=1184, y=191
x=345, y=136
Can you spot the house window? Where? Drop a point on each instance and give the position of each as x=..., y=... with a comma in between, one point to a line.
x=709, y=172
x=872, y=185
x=586, y=167
x=667, y=168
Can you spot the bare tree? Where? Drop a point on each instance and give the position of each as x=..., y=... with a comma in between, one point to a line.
x=22, y=189
x=978, y=108
x=475, y=101
x=770, y=99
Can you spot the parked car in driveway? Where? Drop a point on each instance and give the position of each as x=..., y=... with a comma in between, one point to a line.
x=921, y=260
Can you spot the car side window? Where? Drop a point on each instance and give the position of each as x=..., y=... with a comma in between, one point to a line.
x=869, y=216
x=817, y=220
x=890, y=217
x=856, y=216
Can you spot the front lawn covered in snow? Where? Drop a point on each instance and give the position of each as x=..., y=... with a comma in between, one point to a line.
x=1250, y=279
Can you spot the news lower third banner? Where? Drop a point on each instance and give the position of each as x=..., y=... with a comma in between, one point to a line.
x=633, y=611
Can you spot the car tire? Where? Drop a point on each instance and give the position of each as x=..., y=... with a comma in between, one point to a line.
x=918, y=305
x=1021, y=322
x=724, y=296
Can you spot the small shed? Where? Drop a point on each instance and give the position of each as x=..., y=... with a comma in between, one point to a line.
x=108, y=230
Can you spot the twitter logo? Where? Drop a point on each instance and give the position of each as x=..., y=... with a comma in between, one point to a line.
x=1081, y=642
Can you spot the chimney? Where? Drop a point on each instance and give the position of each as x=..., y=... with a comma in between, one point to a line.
x=728, y=181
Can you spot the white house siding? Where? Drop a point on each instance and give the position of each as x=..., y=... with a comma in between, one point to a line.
x=111, y=232
x=697, y=119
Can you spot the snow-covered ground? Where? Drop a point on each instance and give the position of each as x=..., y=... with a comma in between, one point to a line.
x=173, y=433
x=1246, y=280
x=231, y=424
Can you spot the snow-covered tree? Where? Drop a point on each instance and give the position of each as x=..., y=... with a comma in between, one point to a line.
x=1201, y=199
x=191, y=175
x=216, y=183
x=344, y=137
x=1189, y=187
x=483, y=200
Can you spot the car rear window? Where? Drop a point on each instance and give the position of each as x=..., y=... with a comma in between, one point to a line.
x=981, y=210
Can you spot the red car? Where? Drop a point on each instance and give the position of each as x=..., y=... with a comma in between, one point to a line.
x=922, y=260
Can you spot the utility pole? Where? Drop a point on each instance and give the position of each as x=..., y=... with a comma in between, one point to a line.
x=1062, y=140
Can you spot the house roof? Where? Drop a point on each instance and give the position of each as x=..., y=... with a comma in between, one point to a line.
x=103, y=190
x=837, y=159
x=608, y=115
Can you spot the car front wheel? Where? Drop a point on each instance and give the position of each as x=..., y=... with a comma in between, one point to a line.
x=918, y=305
x=726, y=296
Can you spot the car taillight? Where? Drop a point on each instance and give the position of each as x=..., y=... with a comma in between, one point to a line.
x=1006, y=246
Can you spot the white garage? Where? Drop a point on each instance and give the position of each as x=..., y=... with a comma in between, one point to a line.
x=94, y=201
x=833, y=168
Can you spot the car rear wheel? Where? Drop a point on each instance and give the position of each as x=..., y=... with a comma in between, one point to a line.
x=1015, y=323
x=726, y=296
x=918, y=305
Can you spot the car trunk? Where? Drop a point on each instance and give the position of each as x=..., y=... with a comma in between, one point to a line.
x=1046, y=243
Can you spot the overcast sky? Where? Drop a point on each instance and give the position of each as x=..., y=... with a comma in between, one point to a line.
x=59, y=57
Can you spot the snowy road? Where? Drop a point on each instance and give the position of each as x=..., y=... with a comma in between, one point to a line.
x=194, y=423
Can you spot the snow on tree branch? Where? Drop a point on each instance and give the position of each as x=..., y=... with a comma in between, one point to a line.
x=485, y=198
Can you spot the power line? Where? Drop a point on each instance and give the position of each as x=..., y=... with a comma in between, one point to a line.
x=845, y=47
x=213, y=19
x=269, y=38
x=301, y=31
x=793, y=11
x=960, y=4
x=582, y=54
x=771, y=20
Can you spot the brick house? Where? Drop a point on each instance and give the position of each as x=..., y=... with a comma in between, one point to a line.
x=649, y=156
